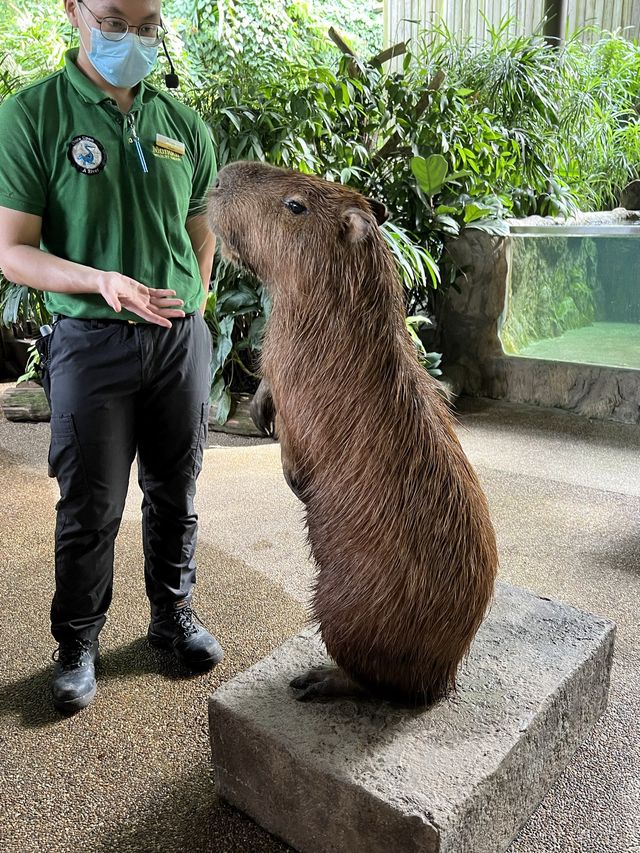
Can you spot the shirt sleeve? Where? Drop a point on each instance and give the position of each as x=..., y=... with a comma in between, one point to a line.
x=205, y=169
x=23, y=180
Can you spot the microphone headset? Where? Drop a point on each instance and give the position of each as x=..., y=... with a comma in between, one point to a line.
x=171, y=80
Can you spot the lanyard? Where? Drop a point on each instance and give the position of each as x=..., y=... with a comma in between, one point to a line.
x=134, y=138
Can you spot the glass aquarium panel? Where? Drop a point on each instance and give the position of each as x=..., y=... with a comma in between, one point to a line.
x=574, y=297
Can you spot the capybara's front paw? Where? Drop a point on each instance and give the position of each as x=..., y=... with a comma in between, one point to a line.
x=262, y=410
x=327, y=682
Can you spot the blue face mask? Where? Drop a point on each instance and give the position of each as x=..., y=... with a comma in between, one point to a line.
x=121, y=63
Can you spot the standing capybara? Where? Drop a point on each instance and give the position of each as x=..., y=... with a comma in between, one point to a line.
x=398, y=524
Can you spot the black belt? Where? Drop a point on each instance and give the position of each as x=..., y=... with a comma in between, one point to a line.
x=107, y=320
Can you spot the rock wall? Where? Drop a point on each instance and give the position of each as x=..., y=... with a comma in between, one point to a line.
x=471, y=310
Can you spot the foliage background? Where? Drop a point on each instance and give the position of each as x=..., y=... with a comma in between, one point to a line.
x=462, y=137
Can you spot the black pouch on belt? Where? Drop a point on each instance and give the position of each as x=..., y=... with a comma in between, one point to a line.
x=42, y=345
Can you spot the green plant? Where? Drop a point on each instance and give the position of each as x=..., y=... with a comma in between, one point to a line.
x=443, y=152
x=262, y=37
x=20, y=305
x=574, y=112
x=599, y=112
x=463, y=135
x=236, y=313
x=321, y=121
x=360, y=22
x=419, y=273
x=34, y=36
x=32, y=367
x=429, y=360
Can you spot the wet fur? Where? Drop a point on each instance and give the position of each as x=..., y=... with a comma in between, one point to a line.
x=398, y=524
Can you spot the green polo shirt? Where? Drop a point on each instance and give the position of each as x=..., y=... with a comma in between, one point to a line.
x=68, y=154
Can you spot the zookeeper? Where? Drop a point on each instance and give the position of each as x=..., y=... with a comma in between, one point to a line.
x=102, y=179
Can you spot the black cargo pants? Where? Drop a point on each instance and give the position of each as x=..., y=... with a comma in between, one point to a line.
x=117, y=389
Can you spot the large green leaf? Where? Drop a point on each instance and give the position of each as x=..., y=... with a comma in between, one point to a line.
x=430, y=173
x=496, y=227
x=256, y=333
x=224, y=344
x=448, y=224
x=224, y=407
x=241, y=301
x=217, y=390
x=473, y=212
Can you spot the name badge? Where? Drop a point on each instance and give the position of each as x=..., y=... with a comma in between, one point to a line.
x=168, y=144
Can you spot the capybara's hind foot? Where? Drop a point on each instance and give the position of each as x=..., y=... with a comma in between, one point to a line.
x=327, y=682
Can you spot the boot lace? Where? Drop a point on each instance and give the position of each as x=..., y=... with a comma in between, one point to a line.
x=69, y=655
x=183, y=618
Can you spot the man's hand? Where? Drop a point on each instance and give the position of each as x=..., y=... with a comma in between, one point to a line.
x=22, y=260
x=156, y=306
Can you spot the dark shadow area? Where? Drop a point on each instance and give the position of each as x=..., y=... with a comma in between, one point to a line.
x=187, y=816
x=30, y=698
x=621, y=555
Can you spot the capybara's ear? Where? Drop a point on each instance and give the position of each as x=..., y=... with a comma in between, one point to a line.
x=379, y=210
x=356, y=224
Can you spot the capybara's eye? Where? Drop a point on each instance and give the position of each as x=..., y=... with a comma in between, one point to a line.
x=295, y=206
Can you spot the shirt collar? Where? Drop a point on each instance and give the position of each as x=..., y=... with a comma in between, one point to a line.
x=93, y=94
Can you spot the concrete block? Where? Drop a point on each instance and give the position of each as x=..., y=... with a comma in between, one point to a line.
x=462, y=777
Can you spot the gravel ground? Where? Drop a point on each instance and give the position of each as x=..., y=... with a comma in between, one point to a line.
x=131, y=773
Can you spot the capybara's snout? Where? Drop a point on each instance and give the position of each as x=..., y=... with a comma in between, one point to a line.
x=240, y=183
x=225, y=188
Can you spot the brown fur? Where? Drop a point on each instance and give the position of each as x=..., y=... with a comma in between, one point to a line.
x=398, y=524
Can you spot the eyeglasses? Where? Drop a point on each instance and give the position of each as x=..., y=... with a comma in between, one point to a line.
x=115, y=29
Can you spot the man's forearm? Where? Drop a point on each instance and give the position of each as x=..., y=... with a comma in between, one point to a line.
x=206, y=269
x=204, y=247
x=22, y=261
x=42, y=271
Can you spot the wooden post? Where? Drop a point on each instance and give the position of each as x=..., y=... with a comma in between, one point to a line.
x=555, y=12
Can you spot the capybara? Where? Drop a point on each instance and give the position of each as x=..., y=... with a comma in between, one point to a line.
x=397, y=522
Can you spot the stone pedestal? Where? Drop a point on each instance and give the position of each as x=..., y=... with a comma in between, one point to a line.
x=461, y=777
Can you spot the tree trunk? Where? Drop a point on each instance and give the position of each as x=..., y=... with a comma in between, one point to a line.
x=555, y=12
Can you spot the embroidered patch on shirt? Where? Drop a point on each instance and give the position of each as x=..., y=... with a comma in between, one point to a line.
x=164, y=146
x=87, y=155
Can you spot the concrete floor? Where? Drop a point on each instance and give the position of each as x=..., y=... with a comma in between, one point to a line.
x=131, y=773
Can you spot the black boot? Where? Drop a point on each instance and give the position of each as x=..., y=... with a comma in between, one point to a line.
x=178, y=629
x=74, y=678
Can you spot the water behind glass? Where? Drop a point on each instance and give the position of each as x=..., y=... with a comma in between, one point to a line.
x=574, y=298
